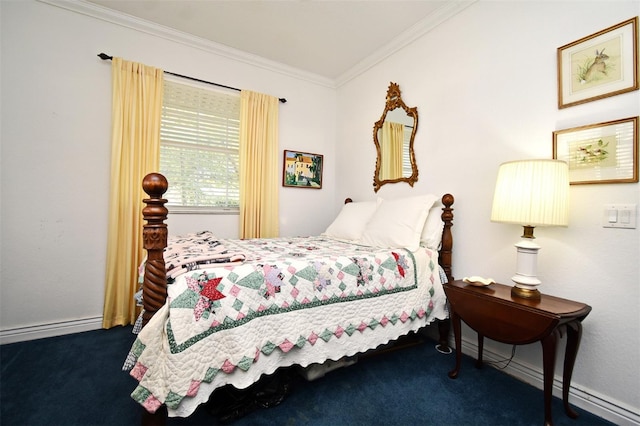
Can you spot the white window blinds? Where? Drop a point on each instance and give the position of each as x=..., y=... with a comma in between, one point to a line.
x=199, y=147
x=407, y=170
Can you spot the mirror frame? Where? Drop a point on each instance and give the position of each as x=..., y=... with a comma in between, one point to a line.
x=393, y=101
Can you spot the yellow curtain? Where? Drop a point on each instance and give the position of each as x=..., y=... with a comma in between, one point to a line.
x=135, y=151
x=392, y=143
x=259, y=174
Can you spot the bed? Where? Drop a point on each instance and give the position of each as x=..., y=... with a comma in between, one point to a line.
x=226, y=312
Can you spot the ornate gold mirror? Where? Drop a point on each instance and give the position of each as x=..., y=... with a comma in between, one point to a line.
x=393, y=136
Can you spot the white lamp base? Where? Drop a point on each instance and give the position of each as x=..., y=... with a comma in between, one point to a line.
x=526, y=270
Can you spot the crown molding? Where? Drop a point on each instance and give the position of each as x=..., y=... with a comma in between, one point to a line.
x=413, y=33
x=141, y=25
x=416, y=31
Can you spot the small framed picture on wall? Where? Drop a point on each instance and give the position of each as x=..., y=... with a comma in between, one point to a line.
x=302, y=170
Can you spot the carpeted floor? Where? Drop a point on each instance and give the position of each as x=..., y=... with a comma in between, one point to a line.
x=77, y=380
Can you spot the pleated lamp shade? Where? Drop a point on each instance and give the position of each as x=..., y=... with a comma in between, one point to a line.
x=532, y=193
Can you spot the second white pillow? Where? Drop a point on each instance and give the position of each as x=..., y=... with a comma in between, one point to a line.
x=351, y=221
x=398, y=223
x=432, y=232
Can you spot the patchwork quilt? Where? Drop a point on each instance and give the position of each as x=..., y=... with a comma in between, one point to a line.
x=279, y=302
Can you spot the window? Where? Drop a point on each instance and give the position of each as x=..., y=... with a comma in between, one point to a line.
x=199, y=148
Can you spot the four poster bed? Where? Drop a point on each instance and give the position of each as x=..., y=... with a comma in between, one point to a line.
x=235, y=310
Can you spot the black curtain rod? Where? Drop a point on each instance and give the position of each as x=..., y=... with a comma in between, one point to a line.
x=105, y=57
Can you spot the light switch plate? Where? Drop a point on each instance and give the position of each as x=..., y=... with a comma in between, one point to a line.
x=619, y=216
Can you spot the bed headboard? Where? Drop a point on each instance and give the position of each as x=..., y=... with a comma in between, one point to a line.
x=446, y=246
x=155, y=234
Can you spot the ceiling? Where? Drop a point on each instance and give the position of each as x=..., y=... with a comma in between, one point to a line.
x=327, y=38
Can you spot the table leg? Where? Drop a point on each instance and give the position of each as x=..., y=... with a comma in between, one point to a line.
x=480, y=350
x=455, y=322
x=549, y=345
x=574, y=334
x=159, y=418
x=444, y=326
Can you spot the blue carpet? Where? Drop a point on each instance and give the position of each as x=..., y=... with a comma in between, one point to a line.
x=77, y=380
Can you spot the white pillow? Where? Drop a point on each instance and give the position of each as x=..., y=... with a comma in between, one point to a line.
x=432, y=233
x=351, y=220
x=398, y=223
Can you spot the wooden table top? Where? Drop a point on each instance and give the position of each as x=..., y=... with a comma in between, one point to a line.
x=547, y=303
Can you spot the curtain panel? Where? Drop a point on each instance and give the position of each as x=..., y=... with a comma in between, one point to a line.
x=259, y=174
x=135, y=151
x=391, y=147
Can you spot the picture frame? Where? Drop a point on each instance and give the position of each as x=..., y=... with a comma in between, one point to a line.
x=598, y=66
x=302, y=169
x=599, y=153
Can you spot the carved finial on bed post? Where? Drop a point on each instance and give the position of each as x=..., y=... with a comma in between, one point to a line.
x=447, y=237
x=154, y=235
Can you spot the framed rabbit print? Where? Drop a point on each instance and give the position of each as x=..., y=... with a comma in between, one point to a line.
x=600, y=65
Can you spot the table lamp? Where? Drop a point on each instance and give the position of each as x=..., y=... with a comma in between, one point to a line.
x=531, y=193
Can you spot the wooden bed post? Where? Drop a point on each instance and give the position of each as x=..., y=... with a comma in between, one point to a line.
x=444, y=326
x=154, y=235
x=447, y=237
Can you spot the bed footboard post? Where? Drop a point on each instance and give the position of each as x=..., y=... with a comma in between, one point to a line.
x=154, y=235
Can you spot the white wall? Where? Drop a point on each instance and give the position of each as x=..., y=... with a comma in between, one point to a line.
x=484, y=83
x=56, y=121
x=485, y=86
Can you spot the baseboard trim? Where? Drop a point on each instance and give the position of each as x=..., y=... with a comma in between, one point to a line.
x=584, y=398
x=21, y=334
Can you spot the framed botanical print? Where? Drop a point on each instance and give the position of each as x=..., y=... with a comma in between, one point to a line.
x=599, y=153
x=600, y=65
